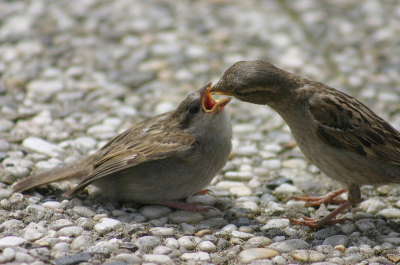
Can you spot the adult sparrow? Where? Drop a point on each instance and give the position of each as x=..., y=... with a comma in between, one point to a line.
x=336, y=132
x=158, y=161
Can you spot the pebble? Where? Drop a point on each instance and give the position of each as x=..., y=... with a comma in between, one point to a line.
x=162, y=231
x=105, y=225
x=286, y=188
x=207, y=246
x=52, y=205
x=81, y=242
x=189, y=242
x=289, y=245
x=276, y=223
x=171, y=243
x=307, y=255
x=60, y=223
x=205, y=200
x=372, y=205
x=11, y=241
x=248, y=255
x=4, y=146
x=238, y=176
x=17, y=162
x=128, y=258
x=259, y=241
x=8, y=254
x=185, y=217
x=336, y=240
x=23, y=257
x=241, y=235
x=157, y=259
x=240, y=191
x=41, y=146
x=34, y=232
x=196, y=257
x=147, y=242
x=390, y=213
x=70, y=231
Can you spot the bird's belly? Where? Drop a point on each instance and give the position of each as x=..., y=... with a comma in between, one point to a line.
x=154, y=182
x=348, y=167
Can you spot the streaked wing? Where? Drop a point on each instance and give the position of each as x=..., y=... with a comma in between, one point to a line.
x=343, y=122
x=143, y=143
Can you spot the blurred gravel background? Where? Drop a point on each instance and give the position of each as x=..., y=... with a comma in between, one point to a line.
x=73, y=74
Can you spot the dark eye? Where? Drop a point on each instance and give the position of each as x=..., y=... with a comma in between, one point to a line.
x=193, y=110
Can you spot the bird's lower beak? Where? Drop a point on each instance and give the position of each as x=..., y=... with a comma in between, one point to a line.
x=210, y=104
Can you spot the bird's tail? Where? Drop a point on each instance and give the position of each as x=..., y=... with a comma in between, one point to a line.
x=57, y=174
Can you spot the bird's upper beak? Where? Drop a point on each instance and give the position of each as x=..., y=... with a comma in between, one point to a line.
x=209, y=104
x=217, y=90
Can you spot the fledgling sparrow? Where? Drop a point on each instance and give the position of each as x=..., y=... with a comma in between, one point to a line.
x=158, y=161
x=336, y=132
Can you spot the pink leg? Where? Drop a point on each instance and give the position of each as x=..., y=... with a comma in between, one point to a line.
x=326, y=220
x=329, y=198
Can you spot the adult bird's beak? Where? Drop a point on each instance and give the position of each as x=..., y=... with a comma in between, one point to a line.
x=209, y=103
x=218, y=90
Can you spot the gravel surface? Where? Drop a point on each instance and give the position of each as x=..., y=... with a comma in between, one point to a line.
x=73, y=74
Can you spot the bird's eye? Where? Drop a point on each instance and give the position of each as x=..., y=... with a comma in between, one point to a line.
x=193, y=110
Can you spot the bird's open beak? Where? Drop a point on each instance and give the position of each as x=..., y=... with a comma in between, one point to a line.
x=209, y=103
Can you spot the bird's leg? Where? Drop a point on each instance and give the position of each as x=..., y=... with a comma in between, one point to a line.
x=354, y=197
x=327, y=220
x=316, y=201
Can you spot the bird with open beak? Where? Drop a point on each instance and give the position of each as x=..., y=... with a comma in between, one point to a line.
x=158, y=161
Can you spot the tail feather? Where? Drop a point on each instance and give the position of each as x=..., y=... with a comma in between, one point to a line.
x=57, y=174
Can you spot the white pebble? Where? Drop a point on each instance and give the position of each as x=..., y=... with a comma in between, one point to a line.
x=11, y=241
x=207, y=246
x=52, y=205
x=105, y=225
x=196, y=257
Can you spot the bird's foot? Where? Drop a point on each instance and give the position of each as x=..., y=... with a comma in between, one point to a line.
x=203, y=192
x=185, y=206
x=317, y=201
x=327, y=220
x=315, y=223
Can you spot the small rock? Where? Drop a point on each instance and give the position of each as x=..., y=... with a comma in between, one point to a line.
x=307, y=255
x=147, y=242
x=189, y=242
x=157, y=259
x=155, y=211
x=276, y=224
x=42, y=147
x=162, y=231
x=289, y=245
x=372, y=205
x=240, y=191
x=128, y=258
x=70, y=231
x=336, y=240
x=185, y=217
x=52, y=205
x=207, y=246
x=390, y=213
x=105, y=225
x=196, y=257
x=60, y=223
x=248, y=255
x=11, y=241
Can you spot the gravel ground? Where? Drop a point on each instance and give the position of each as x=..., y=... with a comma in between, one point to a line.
x=76, y=73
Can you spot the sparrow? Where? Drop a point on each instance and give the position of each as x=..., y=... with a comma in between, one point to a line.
x=158, y=161
x=336, y=132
